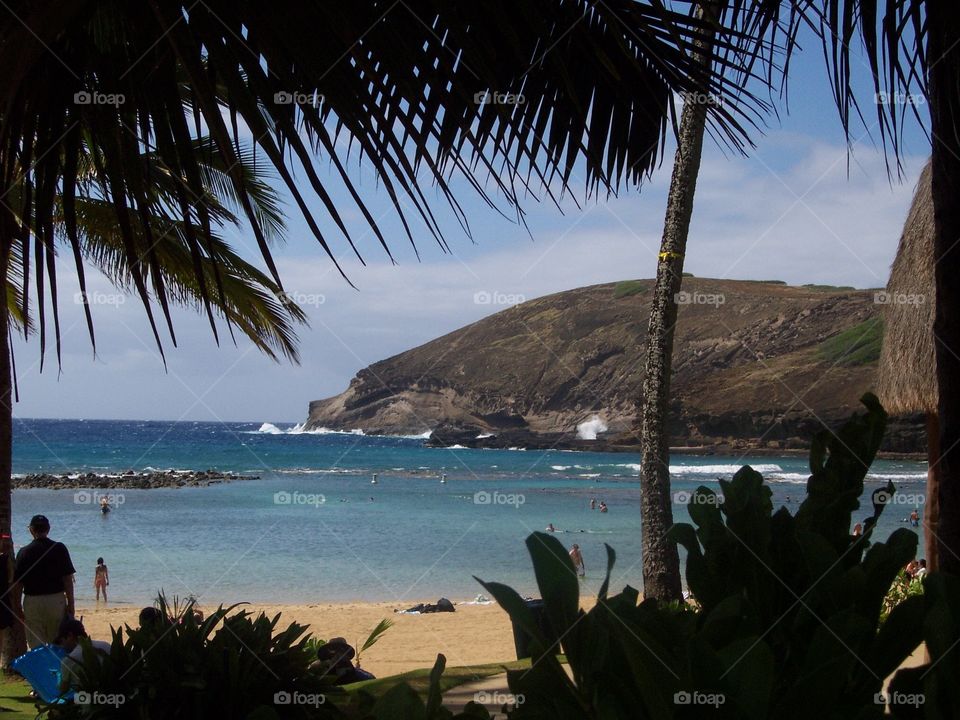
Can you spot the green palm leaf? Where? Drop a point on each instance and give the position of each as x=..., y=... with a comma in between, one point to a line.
x=397, y=86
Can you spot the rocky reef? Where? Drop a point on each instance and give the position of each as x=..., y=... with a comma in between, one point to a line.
x=129, y=480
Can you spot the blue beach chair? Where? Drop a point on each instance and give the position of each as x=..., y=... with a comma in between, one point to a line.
x=41, y=668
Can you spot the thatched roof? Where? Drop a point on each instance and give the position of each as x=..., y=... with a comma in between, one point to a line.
x=907, y=381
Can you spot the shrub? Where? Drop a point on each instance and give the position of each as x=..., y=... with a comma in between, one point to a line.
x=628, y=288
x=230, y=665
x=789, y=618
x=903, y=587
x=233, y=665
x=830, y=288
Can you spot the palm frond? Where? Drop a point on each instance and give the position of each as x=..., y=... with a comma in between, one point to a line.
x=245, y=297
x=401, y=86
x=887, y=38
x=382, y=626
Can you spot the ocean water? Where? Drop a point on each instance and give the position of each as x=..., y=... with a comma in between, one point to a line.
x=314, y=527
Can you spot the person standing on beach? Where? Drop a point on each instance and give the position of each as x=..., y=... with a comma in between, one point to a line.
x=44, y=574
x=577, y=558
x=101, y=578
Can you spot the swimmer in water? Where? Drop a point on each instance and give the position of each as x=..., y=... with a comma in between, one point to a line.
x=593, y=503
x=551, y=528
x=577, y=557
x=603, y=506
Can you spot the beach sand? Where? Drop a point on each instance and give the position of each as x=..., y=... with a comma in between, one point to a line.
x=473, y=635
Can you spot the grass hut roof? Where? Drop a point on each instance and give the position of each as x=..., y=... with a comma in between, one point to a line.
x=907, y=380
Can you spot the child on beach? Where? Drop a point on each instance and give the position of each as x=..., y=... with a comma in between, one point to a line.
x=101, y=578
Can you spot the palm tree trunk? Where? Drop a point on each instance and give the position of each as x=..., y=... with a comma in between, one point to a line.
x=14, y=640
x=931, y=508
x=943, y=28
x=6, y=409
x=661, y=563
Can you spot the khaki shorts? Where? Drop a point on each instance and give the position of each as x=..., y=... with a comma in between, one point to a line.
x=42, y=614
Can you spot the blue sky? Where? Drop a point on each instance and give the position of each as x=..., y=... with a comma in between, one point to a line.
x=788, y=211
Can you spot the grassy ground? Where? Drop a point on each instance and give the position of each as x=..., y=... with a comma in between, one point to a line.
x=16, y=704
x=858, y=345
x=452, y=677
x=15, y=700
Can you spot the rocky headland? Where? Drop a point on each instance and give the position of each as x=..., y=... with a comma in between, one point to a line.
x=758, y=366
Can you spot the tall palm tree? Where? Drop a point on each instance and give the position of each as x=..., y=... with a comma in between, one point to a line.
x=405, y=86
x=661, y=563
x=245, y=296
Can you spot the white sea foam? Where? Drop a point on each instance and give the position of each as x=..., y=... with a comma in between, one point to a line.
x=481, y=436
x=300, y=429
x=425, y=435
x=560, y=467
x=316, y=471
x=789, y=477
x=897, y=476
x=588, y=429
x=722, y=469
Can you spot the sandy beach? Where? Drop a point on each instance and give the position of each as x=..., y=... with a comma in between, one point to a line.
x=472, y=635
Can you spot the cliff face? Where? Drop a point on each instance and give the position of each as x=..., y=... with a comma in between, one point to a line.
x=755, y=364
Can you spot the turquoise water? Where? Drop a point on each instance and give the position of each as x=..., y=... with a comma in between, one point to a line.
x=313, y=527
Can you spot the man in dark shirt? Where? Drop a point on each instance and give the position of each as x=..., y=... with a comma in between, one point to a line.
x=44, y=574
